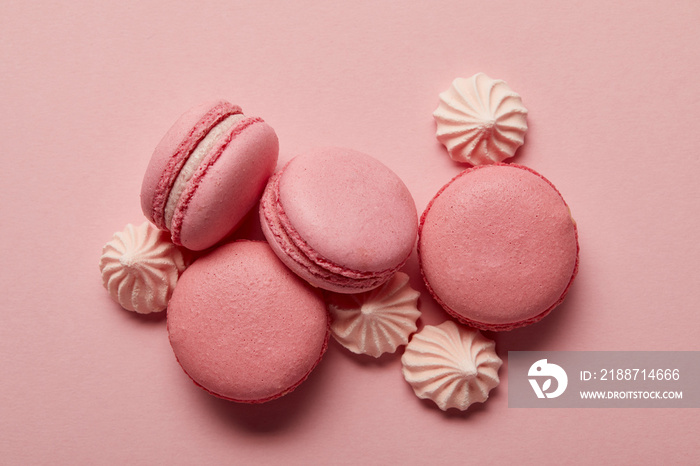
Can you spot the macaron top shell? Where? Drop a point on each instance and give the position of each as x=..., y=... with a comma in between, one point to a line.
x=349, y=208
x=498, y=247
x=243, y=326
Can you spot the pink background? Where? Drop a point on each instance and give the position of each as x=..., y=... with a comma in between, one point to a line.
x=87, y=90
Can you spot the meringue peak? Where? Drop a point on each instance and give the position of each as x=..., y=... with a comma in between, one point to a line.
x=480, y=120
x=453, y=366
x=140, y=267
x=376, y=321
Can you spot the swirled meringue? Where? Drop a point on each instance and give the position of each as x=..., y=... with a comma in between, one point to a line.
x=376, y=321
x=140, y=267
x=450, y=365
x=480, y=120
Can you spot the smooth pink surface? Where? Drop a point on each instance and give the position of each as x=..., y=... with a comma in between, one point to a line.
x=89, y=88
x=349, y=208
x=340, y=219
x=243, y=326
x=498, y=247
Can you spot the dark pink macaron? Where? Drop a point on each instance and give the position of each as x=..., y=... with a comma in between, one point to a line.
x=207, y=172
x=243, y=326
x=498, y=248
x=340, y=219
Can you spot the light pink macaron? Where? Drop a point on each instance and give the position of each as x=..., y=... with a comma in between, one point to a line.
x=207, y=172
x=243, y=326
x=340, y=219
x=497, y=247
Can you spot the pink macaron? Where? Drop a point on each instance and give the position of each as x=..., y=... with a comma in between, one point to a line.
x=243, y=326
x=340, y=219
x=207, y=172
x=497, y=247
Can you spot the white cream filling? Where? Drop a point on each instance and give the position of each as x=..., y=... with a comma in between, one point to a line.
x=193, y=162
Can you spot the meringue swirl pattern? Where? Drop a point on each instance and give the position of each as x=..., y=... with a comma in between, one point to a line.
x=451, y=365
x=376, y=321
x=140, y=267
x=480, y=120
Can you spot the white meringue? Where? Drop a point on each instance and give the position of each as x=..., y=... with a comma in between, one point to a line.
x=376, y=321
x=453, y=366
x=480, y=120
x=140, y=267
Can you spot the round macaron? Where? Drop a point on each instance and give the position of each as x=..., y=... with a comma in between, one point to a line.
x=207, y=172
x=340, y=219
x=497, y=247
x=243, y=327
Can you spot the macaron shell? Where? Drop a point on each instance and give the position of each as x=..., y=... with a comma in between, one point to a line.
x=326, y=275
x=243, y=326
x=218, y=197
x=158, y=165
x=349, y=208
x=498, y=248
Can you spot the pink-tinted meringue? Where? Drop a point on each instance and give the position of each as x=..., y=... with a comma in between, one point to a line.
x=453, y=366
x=480, y=120
x=376, y=321
x=140, y=267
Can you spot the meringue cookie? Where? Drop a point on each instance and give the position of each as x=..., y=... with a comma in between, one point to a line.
x=480, y=120
x=376, y=321
x=450, y=365
x=140, y=267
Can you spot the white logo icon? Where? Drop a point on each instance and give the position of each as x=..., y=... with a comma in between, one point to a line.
x=542, y=368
